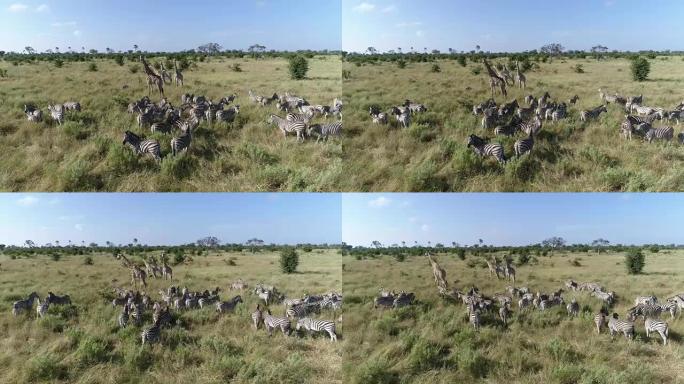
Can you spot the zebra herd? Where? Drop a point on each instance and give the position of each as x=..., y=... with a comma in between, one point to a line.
x=402, y=113
x=42, y=307
x=57, y=111
x=299, y=115
x=390, y=299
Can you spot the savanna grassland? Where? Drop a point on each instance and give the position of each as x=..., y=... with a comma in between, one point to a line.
x=86, y=153
x=83, y=343
x=431, y=155
x=432, y=341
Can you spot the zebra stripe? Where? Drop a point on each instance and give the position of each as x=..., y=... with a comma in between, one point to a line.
x=24, y=304
x=42, y=308
x=152, y=334
x=573, y=308
x=592, y=113
x=313, y=325
x=600, y=321
x=230, y=305
x=620, y=326
x=323, y=131
x=271, y=322
x=182, y=142
x=504, y=313
x=288, y=126
x=655, y=325
x=661, y=133
x=149, y=146
x=123, y=317
x=482, y=148
x=522, y=146
x=57, y=113
x=474, y=317
x=257, y=317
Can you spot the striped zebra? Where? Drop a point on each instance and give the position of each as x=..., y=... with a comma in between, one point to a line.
x=573, y=100
x=670, y=306
x=288, y=127
x=163, y=317
x=616, y=325
x=379, y=118
x=474, y=317
x=161, y=127
x=228, y=115
x=182, y=142
x=600, y=321
x=72, y=106
x=651, y=300
x=57, y=113
x=24, y=304
x=32, y=114
x=271, y=322
x=228, y=306
x=531, y=127
x=573, y=308
x=489, y=118
x=137, y=313
x=42, y=307
x=336, y=109
x=152, y=334
x=504, y=313
x=645, y=310
x=522, y=146
x=483, y=148
x=207, y=300
x=403, y=117
x=656, y=325
x=559, y=112
x=257, y=317
x=323, y=131
x=661, y=133
x=674, y=115
x=403, y=300
x=177, y=74
x=123, y=317
x=383, y=301
x=313, y=325
x=641, y=110
x=300, y=311
x=58, y=300
x=524, y=302
x=592, y=113
x=140, y=146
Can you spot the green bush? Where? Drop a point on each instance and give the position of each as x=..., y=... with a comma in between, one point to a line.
x=476, y=70
x=92, y=67
x=46, y=367
x=462, y=60
x=401, y=64
x=634, y=261
x=425, y=356
x=640, y=69
x=346, y=74
x=236, y=67
x=92, y=350
x=119, y=59
x=473, y=363
x=435, y=68
x=654, y=249
x=133, y=68
x=88, y=260
x=59, y=63
x=400, y=257
x=579, y=68
x=461, y=253
x=55, y=256
x=376, y=372
x=179, y=166
x=289, y=260
x=298, y=67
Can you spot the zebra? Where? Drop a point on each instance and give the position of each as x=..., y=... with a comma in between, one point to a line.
x=403, y=299
x=271, y=322
x=299, y=311
x=620, y=326
x=483, y=148
x=336, y=109
x=415, y=107
x=313, y=325
x=42, y=308
x=380, y=118
x=662, y=133
x=182, y=142
x=140, y=146
x=72, y=106
x=674, y=115
x=642, y=110
x=524, y=302
x=645, y=310
x=523, y=146
x=137, y=313
x=531, y=127
x=600, y=321
x=656, y=325
x=228, y=115
x=671, y=307
x=161, y=127
x=207, y=300
x=238, y=285
x=323, y=131
x=573, y=100
x=592, y=113
x=163, y=316
x=58, y=300
x=559, y=112
x=489, y=118
x=573, y=308
x=228, y=306
x=651, y=300
x=177, y=75
x=265, y=296
x=504, y=313
x=24, y=304
x=32, y=114
x=383, y=301
x=123, y=317
x=288, y=127
x=152, y=334
x=257, y=317
x=474, y=317
x=57, y=113
x=403, y=118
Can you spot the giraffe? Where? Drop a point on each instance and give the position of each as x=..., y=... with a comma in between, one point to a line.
x=509, y=271
x=152, y=78
x=167, y=272
x=495, y=79
x=520, y=77
x=493, y=268
x=438, y=272
x=166, y=76
x=178, y=75
x=137, y=273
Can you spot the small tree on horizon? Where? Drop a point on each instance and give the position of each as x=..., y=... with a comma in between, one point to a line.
x=640, y=69
x=635, y=261
x=298, y=67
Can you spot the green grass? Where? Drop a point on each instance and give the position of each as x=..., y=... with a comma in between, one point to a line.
x=82, y=344
x=86, y=154
x=568, y=156
x=432, y=341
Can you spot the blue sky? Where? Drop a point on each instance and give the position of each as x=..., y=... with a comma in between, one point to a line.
x=167, y=219
x=170, y=25
x=504, y=25
x=511, y=219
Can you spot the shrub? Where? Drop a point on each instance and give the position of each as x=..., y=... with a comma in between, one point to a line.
x=654, y=249
x=3, y=73
x=579, y=68
x=180, y=166
x=425, y=356
x=88, y=260
x=461, y=253
x=375, y=371
x=119, y=59
x=523, y=258
x=567, y=374
x=476, y=70
x=46, y=367
x=289, y=260
x=400, y=257
x=298, y=67
x=346, y=74
x=178, y=257
x=133, y=68
x=640, y=69
x=473, y=363
x=236, y=67
x=634, y=261
x=59, y=63
x=435, y=68
x=401, y=64
x=92, y=350
x=138, y=358
x=55, y=256
x=92, y=67
x=462, y=60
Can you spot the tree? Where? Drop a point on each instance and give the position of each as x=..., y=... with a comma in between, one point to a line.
x=298, y=67
x=289, y=260
x=135, y=47
x=29, y=50
x=634, y=261
x=599, y=51
x=403, y=244
x=210, y=48
x=554, y=242
x=599, y=244
x=209, y=241
x=477, y=47
x=376, y=244
x=135, y=241
x=461, y=253
x=256, y=50
x=553, y=49
x=371, y=50
x=92, y=51
x=29, y=243
x=640, y=69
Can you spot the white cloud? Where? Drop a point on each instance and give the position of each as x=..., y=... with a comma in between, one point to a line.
x=64, y=24
x=79, y=227
x=43, y=8
x=379, y=202
x=17, y=7
x=77, y=33
x=364, y=8
x=425, y=228
x=420, y=33
x=408, y=24
x=28, y=201
x=413, y=219
x=389, y=9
